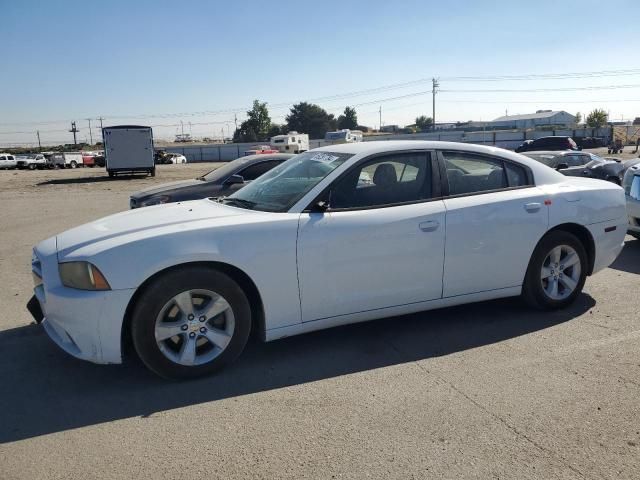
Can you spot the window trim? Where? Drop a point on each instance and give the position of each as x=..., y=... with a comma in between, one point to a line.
x=445, y=180
x=436, y=182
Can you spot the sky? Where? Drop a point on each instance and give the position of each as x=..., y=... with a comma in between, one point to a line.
x=202, y=63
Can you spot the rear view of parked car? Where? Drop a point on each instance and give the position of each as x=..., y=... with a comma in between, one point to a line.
x=548, y=143
x=581, y=164
x=631, y=185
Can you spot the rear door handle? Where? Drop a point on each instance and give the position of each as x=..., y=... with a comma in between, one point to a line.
x=429, y=226
x=532, y=207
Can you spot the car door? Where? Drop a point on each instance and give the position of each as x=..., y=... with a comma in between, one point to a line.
x=381, y=242
x=495, y=217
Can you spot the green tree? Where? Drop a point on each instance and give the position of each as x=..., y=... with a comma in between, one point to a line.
x=578, y=117
x=597, y=118
x=424, y=123
x=349, y=119
x=257, y=125
x=311, y=119
x=277, y=130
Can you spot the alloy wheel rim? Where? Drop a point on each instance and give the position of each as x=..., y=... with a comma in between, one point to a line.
x=560, y=272
x=194, y=327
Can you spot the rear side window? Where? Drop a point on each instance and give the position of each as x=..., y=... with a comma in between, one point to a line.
x=470, y=173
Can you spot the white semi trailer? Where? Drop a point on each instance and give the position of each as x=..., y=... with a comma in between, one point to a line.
x=128, y=149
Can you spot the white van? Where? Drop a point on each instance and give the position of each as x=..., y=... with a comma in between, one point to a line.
x=292, y=142
x=343, y=136
x=129, y=149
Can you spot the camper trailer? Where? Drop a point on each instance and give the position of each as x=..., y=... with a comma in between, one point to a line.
x=343, y=136
x=292, y=142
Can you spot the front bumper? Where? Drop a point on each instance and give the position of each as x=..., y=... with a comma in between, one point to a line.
x=85, y=324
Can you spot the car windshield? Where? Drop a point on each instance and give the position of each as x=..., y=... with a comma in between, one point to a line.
x=280, y=188
x=222, y=173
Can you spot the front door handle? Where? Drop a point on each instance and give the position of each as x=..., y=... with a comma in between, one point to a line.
x=429, y=226
x=532, y=207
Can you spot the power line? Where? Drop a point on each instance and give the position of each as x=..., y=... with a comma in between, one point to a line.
x=369, y=91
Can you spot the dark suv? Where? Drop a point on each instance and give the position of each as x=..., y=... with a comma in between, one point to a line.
x=548, y=143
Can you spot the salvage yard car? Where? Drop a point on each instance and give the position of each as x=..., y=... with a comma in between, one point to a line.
x=31, y=161
x=548, y=143
x=581, y=164
x=7, y=161
x=309, y=245
x=221, y=181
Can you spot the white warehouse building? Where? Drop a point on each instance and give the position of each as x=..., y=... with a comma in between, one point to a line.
x=532, y=120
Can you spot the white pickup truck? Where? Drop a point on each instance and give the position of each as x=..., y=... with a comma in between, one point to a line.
x=31, y=161
x=7, y=160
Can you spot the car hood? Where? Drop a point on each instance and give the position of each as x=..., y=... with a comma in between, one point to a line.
x=166, y=187
x=139, y=222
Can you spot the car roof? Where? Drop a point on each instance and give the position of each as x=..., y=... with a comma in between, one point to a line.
x=262, y=157
x=542, y=173
x=554, y=152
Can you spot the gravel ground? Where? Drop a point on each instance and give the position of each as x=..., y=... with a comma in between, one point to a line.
x=491, y=390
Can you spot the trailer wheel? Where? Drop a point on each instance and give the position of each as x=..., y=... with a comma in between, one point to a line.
x=152, y=172
x=112, y=174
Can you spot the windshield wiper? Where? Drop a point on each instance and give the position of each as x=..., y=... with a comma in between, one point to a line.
x=240, y=202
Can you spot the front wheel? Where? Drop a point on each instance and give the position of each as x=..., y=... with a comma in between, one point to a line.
x=556, y=272
x=191, y=322
x=73, y=164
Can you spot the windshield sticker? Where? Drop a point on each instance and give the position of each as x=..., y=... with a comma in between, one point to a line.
x=324, y=157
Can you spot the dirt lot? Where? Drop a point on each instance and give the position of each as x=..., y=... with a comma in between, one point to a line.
x=483, y=391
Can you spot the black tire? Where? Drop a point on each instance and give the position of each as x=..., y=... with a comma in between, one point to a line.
x=73, y=164
x=161, y=291
x=32, y=166
x=532, y=291
x=112, y=174
x=152, y=172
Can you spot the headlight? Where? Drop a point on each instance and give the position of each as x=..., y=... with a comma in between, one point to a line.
x=83, y=276
x=155, y=200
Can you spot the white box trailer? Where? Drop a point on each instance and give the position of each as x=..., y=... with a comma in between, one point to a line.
x=128, y=149
x=65, y=160
x=292, y=142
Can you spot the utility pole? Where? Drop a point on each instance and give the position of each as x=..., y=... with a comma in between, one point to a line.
x=182, y=128
x=39, y=145
x=380, y=117
x=235, y=119
x=74, y=130
x=101, y=134
x=90, y=134
x=434, y=90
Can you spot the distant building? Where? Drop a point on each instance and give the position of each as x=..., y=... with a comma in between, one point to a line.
x=390, y=128
x=531, y=120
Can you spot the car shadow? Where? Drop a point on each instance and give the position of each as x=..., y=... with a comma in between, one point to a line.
x=46, y=391
x=629, y=259
x=104, y=178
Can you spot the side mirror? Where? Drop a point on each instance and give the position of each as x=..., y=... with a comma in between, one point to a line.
x=234, y=179
x=562, y=166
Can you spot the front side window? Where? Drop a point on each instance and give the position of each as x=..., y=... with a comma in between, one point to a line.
x=471, y=173
x=254, y=171
x=386, y=180
x=283, y=186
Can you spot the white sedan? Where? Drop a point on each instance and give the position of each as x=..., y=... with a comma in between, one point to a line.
x=309, y=246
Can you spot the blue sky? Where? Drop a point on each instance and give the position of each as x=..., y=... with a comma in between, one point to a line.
x=132, y=62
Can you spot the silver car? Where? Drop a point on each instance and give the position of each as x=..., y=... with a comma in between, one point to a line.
x=631, y=185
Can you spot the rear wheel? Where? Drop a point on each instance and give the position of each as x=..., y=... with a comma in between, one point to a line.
x=32, y=166
x=556, y=272
x=191, y=322
x=73, y=164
